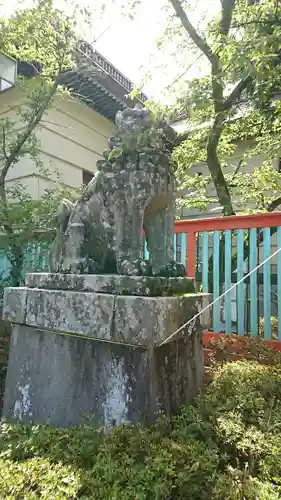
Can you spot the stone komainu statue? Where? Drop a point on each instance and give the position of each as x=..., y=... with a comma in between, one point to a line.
x=132, y=189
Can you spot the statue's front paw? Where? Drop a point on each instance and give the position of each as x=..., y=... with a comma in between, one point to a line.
x=71, y=266
x=172, y=270
x=145, y=268
x=137, y=267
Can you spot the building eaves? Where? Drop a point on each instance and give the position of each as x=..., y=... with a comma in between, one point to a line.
x=95, y=81
x=99, y=84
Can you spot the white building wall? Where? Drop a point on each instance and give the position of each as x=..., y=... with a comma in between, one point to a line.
x=71, y=137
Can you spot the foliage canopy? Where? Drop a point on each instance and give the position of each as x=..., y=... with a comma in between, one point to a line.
x=231, y=109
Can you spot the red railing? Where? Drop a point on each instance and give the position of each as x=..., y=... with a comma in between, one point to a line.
x=193, y=226
x=257, y=292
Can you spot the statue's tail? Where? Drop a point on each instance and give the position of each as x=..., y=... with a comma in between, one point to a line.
x=55, y=254
x=63, y=214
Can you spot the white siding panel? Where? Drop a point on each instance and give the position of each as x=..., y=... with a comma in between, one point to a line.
x=57, y=169
x=71, y=137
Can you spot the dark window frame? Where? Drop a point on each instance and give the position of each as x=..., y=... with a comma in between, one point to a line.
x=87, y=177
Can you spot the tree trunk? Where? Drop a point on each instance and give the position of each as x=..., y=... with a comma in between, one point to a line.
x=215, y=169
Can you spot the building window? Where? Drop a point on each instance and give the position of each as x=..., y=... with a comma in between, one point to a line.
x=8, y=72
x=87, y=177
x=4, y=85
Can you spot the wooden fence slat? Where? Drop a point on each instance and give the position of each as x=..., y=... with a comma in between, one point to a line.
x=205, y=262
x=216, y=281
x=183, y=248
x=279, y=282
x=34, y=255
x=253, y=284
x=191, y=254
x=146, y=252
x=240, y=290
x=175, y=247
x=227, y=281
x=267, y=285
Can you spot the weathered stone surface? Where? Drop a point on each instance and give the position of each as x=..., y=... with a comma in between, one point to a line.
x=179, y=366
x=118, y=318
x=133, y=189
x=112, y=283
x=114, y=370
x=14, y=304
x=64, y=381
x=82, y=313
x=146, y=320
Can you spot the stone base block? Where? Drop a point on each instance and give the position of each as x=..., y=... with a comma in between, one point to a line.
x=65, y=381
x=154, y=286
x=78, y=355
x=135, y=320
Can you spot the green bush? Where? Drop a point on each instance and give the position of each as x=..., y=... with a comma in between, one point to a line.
x=244, y=403
x=127, y=462
x=249, y=389
x=226, y=446
x=274, y=327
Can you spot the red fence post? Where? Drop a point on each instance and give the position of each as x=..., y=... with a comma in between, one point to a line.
x=191, y=254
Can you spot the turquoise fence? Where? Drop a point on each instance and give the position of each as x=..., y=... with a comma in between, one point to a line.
x=221, y=252
x=218, y=253
x=35, y=259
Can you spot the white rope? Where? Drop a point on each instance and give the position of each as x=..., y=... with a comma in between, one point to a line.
x=218, y=298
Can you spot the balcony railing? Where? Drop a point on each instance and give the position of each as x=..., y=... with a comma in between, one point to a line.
x=103, y=64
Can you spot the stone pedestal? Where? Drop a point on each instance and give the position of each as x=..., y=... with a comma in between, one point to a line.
x=85, y=347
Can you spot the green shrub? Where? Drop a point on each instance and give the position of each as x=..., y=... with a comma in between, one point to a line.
x=235, y=485
x=274, y=327
x=37, y=478
x=249, y=389
x=127, y=462
x=244, y=404
x=226, y=446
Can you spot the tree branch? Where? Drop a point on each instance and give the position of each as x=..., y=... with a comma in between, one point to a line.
x=276, y=22
x=221, y=105
x=227, y=8
x=4, y=143
x=238, y=166
x=28, y=131
x=217, y=88
x=214, y=166
x=274, y=204
x=237, y=91
x=199, y=41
